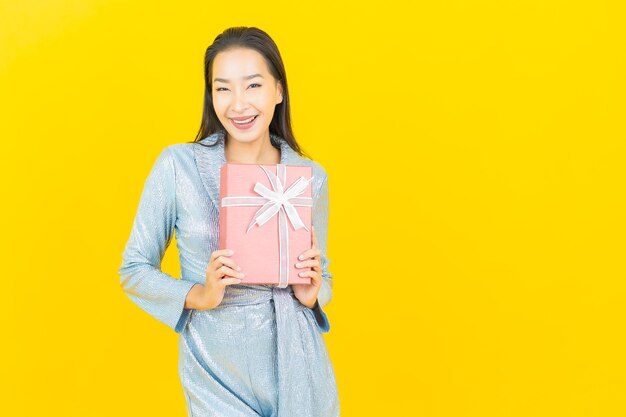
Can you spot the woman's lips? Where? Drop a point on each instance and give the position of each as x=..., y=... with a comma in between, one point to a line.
x=243, y=126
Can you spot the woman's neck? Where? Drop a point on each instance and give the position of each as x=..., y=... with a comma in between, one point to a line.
x=260, y=153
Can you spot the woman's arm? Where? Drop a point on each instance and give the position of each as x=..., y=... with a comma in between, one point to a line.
x=320, y=213
x=157, y=293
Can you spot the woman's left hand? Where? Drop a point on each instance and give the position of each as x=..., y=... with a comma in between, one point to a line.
x=307, y=293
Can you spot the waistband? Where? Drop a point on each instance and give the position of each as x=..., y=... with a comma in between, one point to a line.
x=240, y=295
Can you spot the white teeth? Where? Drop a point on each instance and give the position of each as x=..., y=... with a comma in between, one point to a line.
x=244, y=121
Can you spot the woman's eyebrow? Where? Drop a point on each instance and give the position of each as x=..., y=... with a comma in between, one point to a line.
x=247, y=77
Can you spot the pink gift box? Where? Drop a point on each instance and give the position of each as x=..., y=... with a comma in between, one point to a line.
x=276, y=196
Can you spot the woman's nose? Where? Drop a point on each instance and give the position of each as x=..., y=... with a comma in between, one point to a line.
x=239, y=101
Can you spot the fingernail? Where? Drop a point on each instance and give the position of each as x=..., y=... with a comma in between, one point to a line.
x=298, y=265
x=230, y=252
x=238, y=268
x=242, y=275
x=301, y=257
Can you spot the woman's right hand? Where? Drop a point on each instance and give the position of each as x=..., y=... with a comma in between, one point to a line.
x=220, y=272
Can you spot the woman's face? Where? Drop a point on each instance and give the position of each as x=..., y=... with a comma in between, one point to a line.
x=244, y=88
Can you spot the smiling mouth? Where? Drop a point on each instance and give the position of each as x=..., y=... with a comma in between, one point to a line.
x=245, y=121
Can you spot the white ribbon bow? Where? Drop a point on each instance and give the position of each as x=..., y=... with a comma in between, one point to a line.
x=277, y=201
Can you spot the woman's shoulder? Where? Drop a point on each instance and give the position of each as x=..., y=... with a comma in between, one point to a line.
x=179, y=149
x=319, y=176
x=317, y=169
x=175, y=159
x=178, y=153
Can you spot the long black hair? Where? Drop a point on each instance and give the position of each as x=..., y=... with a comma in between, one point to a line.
x=253, y=38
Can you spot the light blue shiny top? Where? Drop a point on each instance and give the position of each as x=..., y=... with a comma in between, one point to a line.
x=181, y=194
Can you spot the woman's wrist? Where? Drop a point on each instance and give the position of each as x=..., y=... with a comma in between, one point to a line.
x=194, y=297
x=312, y=307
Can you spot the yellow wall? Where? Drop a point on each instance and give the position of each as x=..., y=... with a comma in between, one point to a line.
x=475, y=153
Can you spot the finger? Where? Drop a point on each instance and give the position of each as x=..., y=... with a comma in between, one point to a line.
x=222, y=252
x=309, y=263
x=315, y=277
x=224, y=271
x=316, y=280
x=313, y=236
x=230, y=281
x=308, y=273
x=309, y=253
x=223, y=260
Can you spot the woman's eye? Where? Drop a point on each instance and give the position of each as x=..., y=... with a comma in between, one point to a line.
x=226, y=89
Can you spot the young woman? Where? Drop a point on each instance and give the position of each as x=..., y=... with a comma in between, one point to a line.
x=244, y=350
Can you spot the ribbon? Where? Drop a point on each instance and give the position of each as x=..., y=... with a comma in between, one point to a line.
x=277, y=201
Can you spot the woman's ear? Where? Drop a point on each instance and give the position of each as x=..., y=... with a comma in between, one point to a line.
x=279, y=90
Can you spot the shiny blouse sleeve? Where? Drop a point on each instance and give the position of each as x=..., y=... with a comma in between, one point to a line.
x=157, y=293
x=320, y=222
